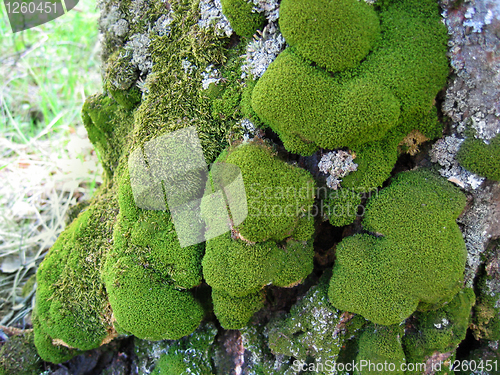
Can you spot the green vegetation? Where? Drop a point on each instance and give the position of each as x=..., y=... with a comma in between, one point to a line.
x=481, y=158
x=313, y=328
x=336, y=35
x=367, y=107
x=279, y=196
x=386, y=274
x=439, y=330
x=381, y=345
x=71, y=304
x=243, y=21
x=20, y=347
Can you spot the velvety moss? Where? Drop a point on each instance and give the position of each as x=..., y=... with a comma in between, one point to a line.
x=292, y=93
x=240, y=268
x=278, y=194
x=379, y=345
x=146, y=305
x=46, y=349
x=369, y=108
x=335, y=34
x=481, y=158
x=243, y=20
x=18, y=356
x=341, y=206
x=384, y=276
x=147, y=270
x=439, y=330
x=235, y=312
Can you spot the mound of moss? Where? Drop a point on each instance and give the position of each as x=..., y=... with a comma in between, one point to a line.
x=413, y=255
x=243, y=20
x=271, y=245
x=384, y=91
x=335, y=34
x=71, y=307
x=439, y=330
x=481, y=158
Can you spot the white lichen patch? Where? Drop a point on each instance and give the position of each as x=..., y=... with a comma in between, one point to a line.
x=249, y=129
x=262, y=51
x=162, y=24
x=337, y=164
x=138, y=45
x=113, y=21
x=444, y=153
x=211, y=16
x=210, y=75
x=270, y=8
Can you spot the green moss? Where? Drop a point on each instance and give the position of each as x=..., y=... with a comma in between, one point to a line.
x=341, y=206
x=240, y=268
x=384, y=276
x=293, y=93
x=46, y=349
x=235, y=312
x=147, y=273
x=175, y=96
x=146, y=305
x=243, y=20
x=480, y=158
x=71, y=301
x=440, y=330
x=277, y=194
x=336, y=35
x=379, y=348
x=18, y=356
x=368, y=108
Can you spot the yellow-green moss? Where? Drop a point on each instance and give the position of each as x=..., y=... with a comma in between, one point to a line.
x=278, y=194
x=380, y=348
x=243, y=21
x=336, y=35
x=235, y=312
x=413, y=254
x=481, y=158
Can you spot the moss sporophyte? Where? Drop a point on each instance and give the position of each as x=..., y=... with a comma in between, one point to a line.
x=355, y=77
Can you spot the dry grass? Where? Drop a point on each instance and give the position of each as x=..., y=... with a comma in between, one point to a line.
x=47, y=164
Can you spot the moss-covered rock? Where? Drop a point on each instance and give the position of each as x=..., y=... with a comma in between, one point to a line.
x=313, y=328
x=380, y=351
x=385, y=275
x=191, y=355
